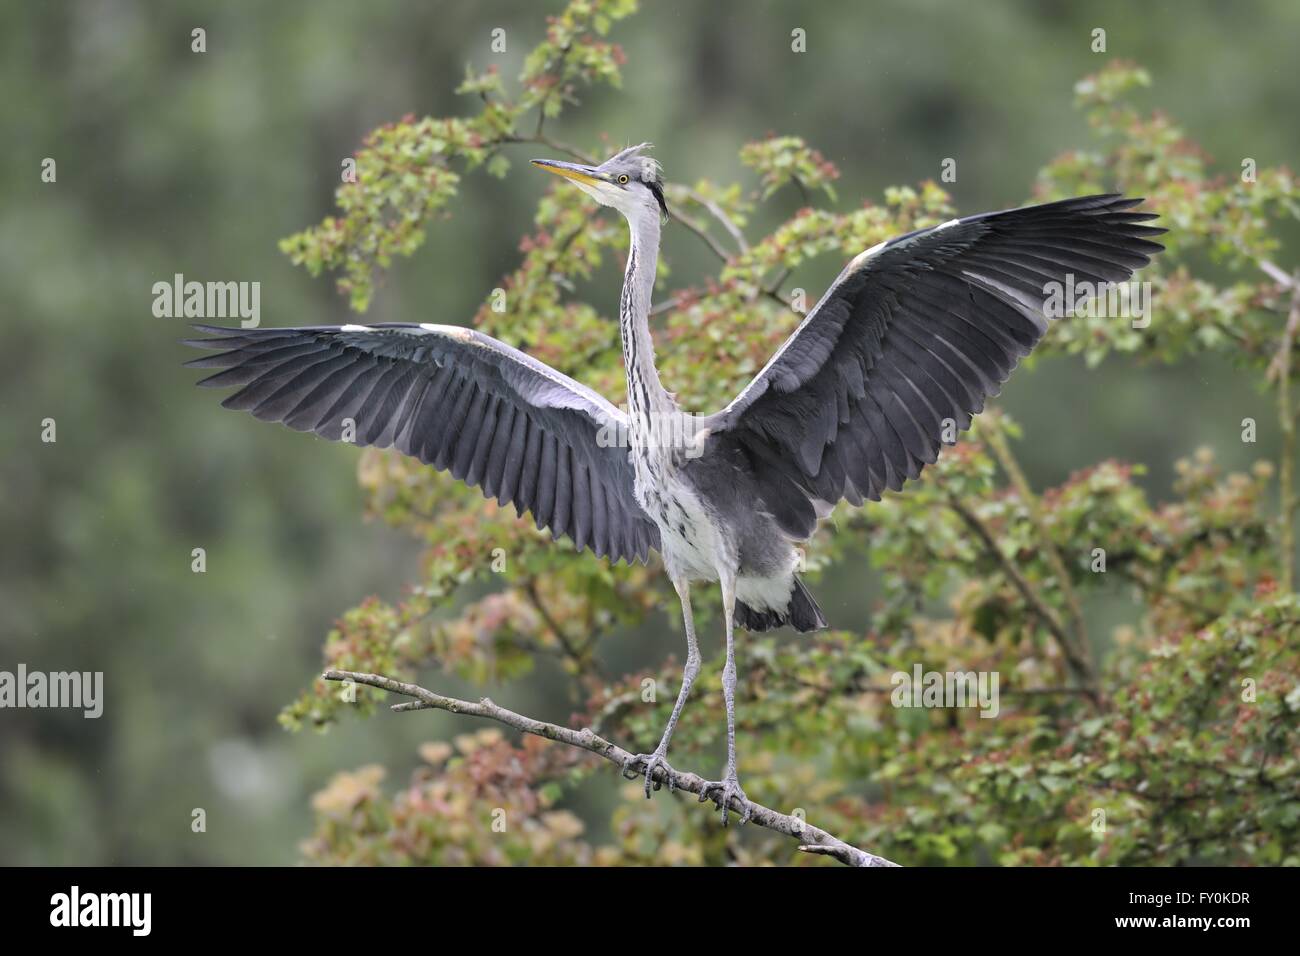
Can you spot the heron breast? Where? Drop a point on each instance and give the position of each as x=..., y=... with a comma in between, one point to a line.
x=688, y=536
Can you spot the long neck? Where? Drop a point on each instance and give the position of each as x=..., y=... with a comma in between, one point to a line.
x=645, y=395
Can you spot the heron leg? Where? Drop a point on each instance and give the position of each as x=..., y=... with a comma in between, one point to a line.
x=650, y=762
x=726, y=790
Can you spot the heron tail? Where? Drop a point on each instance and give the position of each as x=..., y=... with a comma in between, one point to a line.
x=802, y=613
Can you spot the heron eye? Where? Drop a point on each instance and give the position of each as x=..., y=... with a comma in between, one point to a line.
x=622, y=180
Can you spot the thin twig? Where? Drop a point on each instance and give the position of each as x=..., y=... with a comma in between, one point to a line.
x=1281, y=366
x=998, y=442
x=773, y=291
x=694, y=227
x=803, y=190
x=1079, y=665
x=666, y=305
x=775, y=285
x=671, y=302
x=579, y=655
x=424, y=699
x=1154, y=592
x=1277, y=275
x=717, y=212
x=776, y=296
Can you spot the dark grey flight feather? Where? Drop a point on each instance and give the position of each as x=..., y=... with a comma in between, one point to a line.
x=923, y=328
x=453, y=398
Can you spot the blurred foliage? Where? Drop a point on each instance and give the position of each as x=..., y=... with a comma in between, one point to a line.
x=1180, y=746
x=402, y=174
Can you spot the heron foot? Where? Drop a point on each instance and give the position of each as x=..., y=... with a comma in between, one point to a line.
x=647, y=764
x=722, y=792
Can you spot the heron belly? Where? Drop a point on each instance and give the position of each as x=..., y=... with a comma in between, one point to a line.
x=689, y=539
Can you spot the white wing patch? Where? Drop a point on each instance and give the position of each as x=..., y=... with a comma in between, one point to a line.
x=857, y=261
x=459, y=333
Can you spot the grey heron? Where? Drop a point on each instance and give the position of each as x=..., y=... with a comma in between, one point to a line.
x=909, y=341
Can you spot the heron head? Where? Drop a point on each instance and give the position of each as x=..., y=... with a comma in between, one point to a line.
x=629, y=181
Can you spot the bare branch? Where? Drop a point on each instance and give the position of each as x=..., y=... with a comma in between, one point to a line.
x=1281, y=367
x=998, y=442
x=1277, y=275
x=675, y=302
x=571, y=151
x=1079, y=663
x=666, y=305
x=693, y=226
x=773, y=290
x=718, y=213
x=775, y=284
x=776, y=296
x=580, y=656
x=812, y=839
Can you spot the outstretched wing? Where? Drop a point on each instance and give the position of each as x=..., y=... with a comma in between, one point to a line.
x=455, y=399
x=917, y=330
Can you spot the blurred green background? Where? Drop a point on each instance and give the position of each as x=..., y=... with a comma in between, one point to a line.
x=170, y=161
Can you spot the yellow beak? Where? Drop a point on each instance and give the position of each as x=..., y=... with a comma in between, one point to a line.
x=579, y=174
